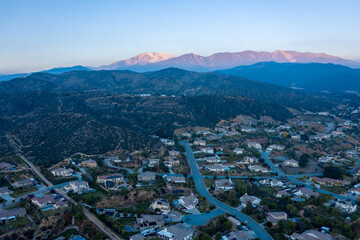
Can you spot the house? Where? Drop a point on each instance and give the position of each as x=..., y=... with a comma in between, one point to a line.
x=274, y=217
x=186, y=135
x=60, y=204
x=346, y=205
x=176, y=179
x=172, y=162
x=6, y=167
x=189, y=202
x=138, y=236
x=154, y=162
x=146, y=177
x=248, y=129
x=114, y=177
x=77, y=186
x=167, y=142
x=305, y=192
x=291, y=163
x=258, y=168
x=44, y=200
x=355, y=190
x=311, y=235
x=174, y=216
x=271, y=182
x=176, y=232
x=200, y=142
x=161, y=204
x=248, y=160
x=224, y=184
x=5, y=191
x=25, y=183
x=275, y=147
x=282, y=193
x=326, y=159
x=62, y=172
x=211, y=159
x=238, y=150
x=253, y=200
x=215, y=168
x=207, y=150
x=11, y=214
x=88, y=164
x=330, y=181
x=150, y=221
x=254, y=145
x=236, y=235
x=174, y=153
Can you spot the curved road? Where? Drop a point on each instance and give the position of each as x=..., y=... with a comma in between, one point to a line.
x=200, y=186
x=292, y=178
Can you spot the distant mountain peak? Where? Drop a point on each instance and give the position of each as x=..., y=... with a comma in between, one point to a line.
x=141, y=59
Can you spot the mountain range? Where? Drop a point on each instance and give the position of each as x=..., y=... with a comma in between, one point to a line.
x=156, y=61
x=312, y=77
x=193, y=62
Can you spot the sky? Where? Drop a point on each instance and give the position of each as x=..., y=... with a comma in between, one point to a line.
x=42, y=34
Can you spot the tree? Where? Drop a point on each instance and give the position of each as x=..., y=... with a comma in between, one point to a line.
x=304, y=159
x=249, y=209
x=333, y=172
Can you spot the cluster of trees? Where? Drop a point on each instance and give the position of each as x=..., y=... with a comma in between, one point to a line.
x=220, y=224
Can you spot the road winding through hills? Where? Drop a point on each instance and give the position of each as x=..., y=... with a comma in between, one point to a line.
x=200, y=186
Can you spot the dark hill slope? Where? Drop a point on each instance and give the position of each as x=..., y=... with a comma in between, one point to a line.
x=52, y=126
x=170, y=81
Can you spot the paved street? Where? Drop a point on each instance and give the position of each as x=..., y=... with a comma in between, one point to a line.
x=200, y=186
x=293, y=178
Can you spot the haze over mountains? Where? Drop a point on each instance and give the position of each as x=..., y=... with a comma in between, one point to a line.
x=312, y=77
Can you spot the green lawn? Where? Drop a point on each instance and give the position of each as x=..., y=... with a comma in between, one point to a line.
x=335, y=189
x=19, y=222
x=208, y=182
x=24, y=191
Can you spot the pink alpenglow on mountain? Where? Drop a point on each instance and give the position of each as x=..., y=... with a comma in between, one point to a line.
x=141, y=59
x=193, y=62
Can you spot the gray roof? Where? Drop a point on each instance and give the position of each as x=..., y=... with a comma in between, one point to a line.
x=12, y=212
x=179, y=231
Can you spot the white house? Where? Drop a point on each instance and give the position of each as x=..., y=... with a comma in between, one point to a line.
x=62, y=172
x=253, y=200
x=207, y=150
x=224, y=184
x=238, y=150
x=189, y=202
x=248, y=159
x=291, y=163
x=346, y=205
x=77, y=186
x=258, y=168
x=254, y=145
x=215, y=168
x=167, y=142
x=271, y=182
x=176, y=179
x=176, y=232
x=200, y=142
x=305, y=192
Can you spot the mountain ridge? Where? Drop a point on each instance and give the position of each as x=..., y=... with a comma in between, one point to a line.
x=223, y=60
x=312, y=77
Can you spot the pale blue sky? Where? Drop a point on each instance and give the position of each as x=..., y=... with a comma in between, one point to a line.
x=41, y=34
